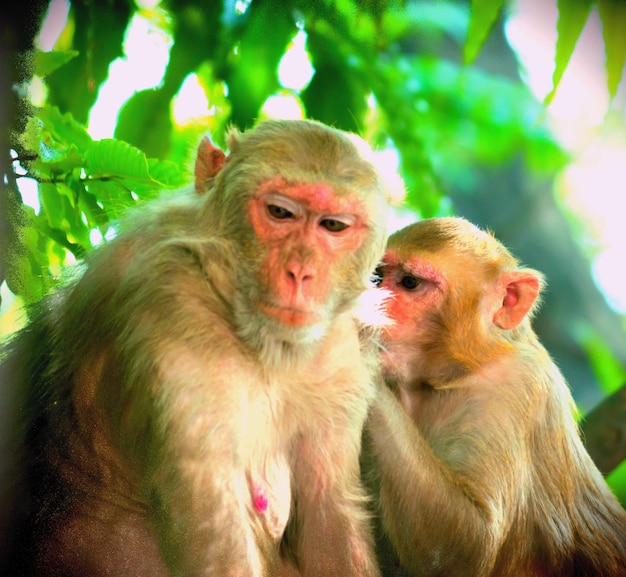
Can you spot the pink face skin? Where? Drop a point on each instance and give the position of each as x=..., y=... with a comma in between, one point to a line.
x=414, y=287
x=307, y=231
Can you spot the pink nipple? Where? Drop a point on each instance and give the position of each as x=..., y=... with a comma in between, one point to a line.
x=259, y=499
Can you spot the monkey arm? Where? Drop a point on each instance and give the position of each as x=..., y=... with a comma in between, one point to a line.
x=174, y=414
x=443, y=512
x=192, y=504
x=330, y=525
x=333, y=508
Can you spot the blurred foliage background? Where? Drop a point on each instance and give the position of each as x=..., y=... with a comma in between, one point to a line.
x=491, y=110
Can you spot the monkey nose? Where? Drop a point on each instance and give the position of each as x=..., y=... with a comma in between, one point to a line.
x=298, y=274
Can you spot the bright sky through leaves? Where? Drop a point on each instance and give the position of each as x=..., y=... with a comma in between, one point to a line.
x=592, y=187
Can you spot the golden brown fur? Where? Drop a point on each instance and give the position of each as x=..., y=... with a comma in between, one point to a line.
x=476, y=456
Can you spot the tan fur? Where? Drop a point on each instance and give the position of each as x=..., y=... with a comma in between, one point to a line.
x=477, y=459
x=164, y=405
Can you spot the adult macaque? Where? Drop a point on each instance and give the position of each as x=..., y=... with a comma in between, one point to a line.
x=473, y=449
x=196, y=399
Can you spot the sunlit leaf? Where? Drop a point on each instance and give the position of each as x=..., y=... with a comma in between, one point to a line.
x=118, y=160
x=52, y=205
x=62, y=216
x=573, y=15
x=115, y=158
x=55, y=138
x=47, y=151
x=96, y=215
x=483, y=16
x=98, y=35
x=144, y=121
x=608, y=369
x=25, y=262
x=47, y=62
x=336, y=94
x=113, y=195
x=168, y=174
x=64, y=190
x=252, y=66
x=617, y=482
x=77, y=231
x=57, y=243
x=613, y=16
x=65, y=128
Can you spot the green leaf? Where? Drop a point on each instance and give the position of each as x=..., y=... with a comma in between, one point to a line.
x=52, y=205
x=97, y=217
x=57, y=142
x=25, y=263
x=144, y=121
x=543, y=153
x=252, y=69
x=22, y=280
x=64, y=190
x=483, y=16
x=337, y=93
x=113, y=195
x=63, y=128
x=47, y=62
x=613, y=16
x=572, y=17
x=428, y=20
x=61, y=215
x=115, y=158
x=168, y=174
x=607, y=368
x=617, y=482
x=97, y=32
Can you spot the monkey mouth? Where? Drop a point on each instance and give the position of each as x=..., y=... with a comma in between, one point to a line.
x=291, y=316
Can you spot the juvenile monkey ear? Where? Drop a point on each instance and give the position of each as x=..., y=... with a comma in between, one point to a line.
x=521, y=289
x=209, y=161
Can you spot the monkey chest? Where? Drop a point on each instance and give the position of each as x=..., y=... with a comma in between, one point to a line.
x=268, y=494
x=264, y=464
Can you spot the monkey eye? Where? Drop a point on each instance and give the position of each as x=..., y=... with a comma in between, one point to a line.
x=333, y=225
x=377, y=277
x=410, y=282
x=279, y=212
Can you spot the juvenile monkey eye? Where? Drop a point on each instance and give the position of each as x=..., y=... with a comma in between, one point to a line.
x=378, y=276
x=332, y=225
x=410, y=282
x=279, y=212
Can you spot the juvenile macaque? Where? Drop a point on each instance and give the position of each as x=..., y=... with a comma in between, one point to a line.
x=473, y=449
x=193, y=405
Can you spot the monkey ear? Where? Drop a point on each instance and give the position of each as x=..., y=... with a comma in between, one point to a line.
x=209, y=161
x=521, y=289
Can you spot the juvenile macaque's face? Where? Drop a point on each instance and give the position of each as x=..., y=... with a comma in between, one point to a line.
x=447, y=281
x=415, y=292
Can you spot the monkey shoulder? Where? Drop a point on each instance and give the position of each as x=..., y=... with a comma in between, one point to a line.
x=344, y=356
x=497, y=405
